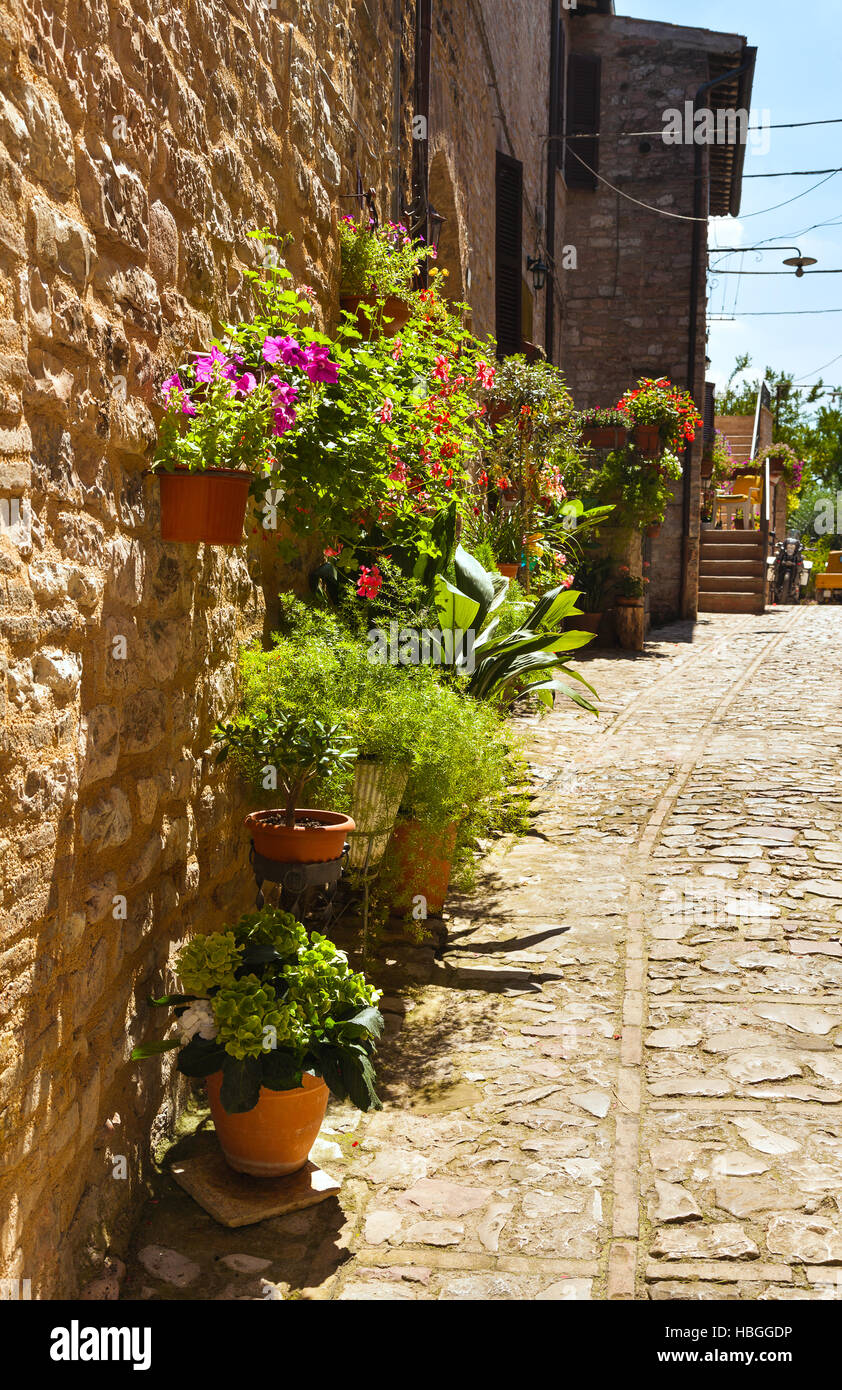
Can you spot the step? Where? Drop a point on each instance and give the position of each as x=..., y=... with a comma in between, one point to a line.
x=739, y=569
x=730, y=584
x=731, y=603
x=716, y=536
x=726, y=553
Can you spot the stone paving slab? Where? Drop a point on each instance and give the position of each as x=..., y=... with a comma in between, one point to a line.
x=622, y=1076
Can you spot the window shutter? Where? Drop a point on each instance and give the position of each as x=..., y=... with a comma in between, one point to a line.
x=583, y=83
x=509, y=253
x=709, y=413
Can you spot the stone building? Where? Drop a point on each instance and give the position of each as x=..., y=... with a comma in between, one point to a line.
x=139, y=144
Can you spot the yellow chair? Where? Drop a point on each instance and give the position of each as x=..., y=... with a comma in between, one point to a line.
x=750, y=487
x=832, y=578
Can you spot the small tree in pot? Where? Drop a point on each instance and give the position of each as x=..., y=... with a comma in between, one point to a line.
x=291, y=752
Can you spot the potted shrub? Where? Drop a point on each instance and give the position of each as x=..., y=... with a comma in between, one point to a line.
x=379, y=265
x=663, y=415
x=273, y=1022
x=604, y=429
x=291, y=752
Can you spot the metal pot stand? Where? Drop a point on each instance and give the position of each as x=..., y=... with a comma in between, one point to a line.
x=304, y=889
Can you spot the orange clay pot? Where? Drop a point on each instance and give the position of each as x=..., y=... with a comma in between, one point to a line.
x=275, y=1137
x=510, y=571
x=422, y=861
x=299, y=844
x=209, y=506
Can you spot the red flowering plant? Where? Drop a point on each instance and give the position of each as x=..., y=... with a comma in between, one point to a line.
x=387, y=451
x=659, y=402
x=526, y=460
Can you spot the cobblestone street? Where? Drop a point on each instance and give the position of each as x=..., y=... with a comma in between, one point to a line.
x=622, y=1077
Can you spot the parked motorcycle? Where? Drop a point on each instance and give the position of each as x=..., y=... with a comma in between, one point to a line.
x=787, y=570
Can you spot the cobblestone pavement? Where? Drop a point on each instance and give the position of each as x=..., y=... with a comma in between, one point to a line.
x=622, y=1077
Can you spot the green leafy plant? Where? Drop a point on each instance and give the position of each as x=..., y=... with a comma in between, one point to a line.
x=605, y=419
x=505, y=666
x=628, y=585
x=296, y=750
x=379, y=261
x=267, y=1004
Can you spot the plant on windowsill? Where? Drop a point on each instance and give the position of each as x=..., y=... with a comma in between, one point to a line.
x=272, y=1021
x=291, y=752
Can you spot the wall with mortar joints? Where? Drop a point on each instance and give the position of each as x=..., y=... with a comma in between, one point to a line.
x=138, y=146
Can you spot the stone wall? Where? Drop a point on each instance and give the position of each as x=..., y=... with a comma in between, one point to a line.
x=139, y=144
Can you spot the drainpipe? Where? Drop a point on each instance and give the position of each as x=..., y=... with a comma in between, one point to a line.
x=397, y=18
x=421, y=148
x=552, y=164
x=695, y=295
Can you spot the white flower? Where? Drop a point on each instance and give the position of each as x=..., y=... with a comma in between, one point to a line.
x=197, y=1021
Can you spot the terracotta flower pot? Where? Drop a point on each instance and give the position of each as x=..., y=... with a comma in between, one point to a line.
x=497, y=411
x=311, y=844
x=604, y=436
x=423, y=859
x=628, y=602
x=275, y=1137
x=209, y=506
x=647, y=438
x=510, y=571
x=653, y=530
x=395, y=309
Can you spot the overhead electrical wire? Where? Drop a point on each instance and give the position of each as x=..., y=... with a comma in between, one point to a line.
x=684, y=217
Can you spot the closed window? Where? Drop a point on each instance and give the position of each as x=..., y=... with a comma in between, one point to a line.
x=582, y=120
x=509, y=253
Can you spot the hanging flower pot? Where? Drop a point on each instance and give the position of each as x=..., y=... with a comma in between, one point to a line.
x=647, y=438
x=653, y=530
x=378, y=788
x=316, y=837
x=209, y=506
x=422, y=863
x=509, y=570
x=183, y=506
x=395, y=309
x=276, y=1135
x=604, y=436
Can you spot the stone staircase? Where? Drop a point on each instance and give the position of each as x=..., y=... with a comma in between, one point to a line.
x=731, y=571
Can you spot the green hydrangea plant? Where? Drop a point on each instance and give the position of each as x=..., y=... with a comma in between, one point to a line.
x=266, y=1004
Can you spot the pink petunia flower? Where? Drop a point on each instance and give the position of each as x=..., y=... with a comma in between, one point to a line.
x=318, y=365
x=205, y=364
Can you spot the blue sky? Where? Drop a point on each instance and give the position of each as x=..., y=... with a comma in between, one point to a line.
x=799, y=62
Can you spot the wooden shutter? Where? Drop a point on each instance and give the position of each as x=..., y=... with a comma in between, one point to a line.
x=710, y=412
x=582, y=119
x=509, y=253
